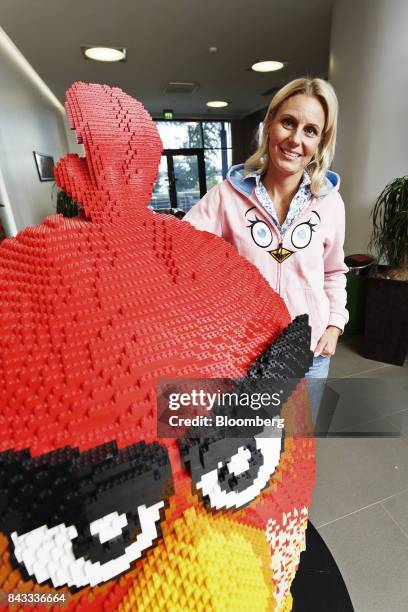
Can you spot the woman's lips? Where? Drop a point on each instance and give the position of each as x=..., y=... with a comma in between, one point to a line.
x=289, y=154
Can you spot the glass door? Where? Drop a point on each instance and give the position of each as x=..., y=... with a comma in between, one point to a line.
x=181, y=181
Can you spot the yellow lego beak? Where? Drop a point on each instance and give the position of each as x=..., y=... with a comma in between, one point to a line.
x=218, y=563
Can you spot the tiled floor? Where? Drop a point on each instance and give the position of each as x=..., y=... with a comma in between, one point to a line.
x=360, y=503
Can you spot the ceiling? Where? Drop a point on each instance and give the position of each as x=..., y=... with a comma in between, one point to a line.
x=169, y=41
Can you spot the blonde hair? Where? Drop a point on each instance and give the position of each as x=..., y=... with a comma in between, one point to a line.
x=320, y=163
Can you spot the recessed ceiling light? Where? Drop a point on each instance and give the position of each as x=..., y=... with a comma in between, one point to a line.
x=217, y=103
x=267, y=66
x=105, y=54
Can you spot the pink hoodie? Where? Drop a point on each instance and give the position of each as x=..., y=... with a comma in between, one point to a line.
x=305, y=265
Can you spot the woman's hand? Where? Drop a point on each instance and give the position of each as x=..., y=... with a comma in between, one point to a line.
x=328, y=342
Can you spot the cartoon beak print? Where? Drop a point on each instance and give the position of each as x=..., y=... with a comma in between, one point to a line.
x=94, y=506
x=280, y=254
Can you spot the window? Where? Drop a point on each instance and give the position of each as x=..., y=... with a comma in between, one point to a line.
x=196, y=156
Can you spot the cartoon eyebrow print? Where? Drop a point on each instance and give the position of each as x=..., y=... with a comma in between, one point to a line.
x=256, y=220
x=249, y=210
x=317, y=215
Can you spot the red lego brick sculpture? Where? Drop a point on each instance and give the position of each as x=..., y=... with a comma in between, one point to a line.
x=94, y=310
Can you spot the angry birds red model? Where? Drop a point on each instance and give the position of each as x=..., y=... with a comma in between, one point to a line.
x=95, y=508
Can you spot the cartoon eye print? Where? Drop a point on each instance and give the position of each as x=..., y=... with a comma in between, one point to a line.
x=232, y=472
x=302, y=233
x=260, y=231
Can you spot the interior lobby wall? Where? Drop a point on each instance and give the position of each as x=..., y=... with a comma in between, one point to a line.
x=244, y=134
x=29, y=121
x=368, y=68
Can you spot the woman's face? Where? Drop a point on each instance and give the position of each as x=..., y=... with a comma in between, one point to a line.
x=295, y=134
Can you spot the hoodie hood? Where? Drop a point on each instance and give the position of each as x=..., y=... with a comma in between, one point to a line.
x=245, y=184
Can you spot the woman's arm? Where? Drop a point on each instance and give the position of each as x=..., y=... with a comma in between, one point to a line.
x=334, y=281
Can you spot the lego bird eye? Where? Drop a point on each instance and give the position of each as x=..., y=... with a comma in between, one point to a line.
x=50, y=554
x=230, y=473
x=100, y=510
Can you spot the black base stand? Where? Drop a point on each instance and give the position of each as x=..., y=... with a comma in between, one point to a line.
x=318, y=585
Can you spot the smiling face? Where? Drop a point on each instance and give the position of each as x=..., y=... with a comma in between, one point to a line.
x=295, y=134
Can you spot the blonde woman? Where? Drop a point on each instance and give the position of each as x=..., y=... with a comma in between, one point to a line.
x=282, y=210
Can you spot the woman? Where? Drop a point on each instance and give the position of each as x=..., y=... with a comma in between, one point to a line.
x=282, y=211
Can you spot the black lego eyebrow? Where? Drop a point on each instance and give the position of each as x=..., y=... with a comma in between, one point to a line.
x=70, y=486
x=249, y=210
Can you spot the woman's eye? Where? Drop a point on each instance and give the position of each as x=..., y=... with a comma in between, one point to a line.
x=302, y=235
x=287, y=122
x=311, y=131
x=261, y=233
x=232, y=472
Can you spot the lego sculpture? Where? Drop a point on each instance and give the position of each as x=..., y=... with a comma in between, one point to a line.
x=93, y=505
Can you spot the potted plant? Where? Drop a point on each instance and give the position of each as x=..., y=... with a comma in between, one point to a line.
x=66, y=206
x=386, y=326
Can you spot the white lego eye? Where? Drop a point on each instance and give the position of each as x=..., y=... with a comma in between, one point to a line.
x=240, y=478
x=48, y=553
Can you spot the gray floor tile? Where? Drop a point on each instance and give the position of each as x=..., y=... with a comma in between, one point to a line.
x=352, y=473
x=348, y=359
x=363, y=400
x=372, y=554
x=387, y=372
x=377, y=428
x=401, y=421
x=397, y=506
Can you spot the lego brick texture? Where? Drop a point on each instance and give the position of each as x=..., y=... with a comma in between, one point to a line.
x=94, y=310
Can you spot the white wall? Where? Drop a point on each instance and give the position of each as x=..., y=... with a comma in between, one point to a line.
x=30, y=120
x=73, y=145
x=369, y=70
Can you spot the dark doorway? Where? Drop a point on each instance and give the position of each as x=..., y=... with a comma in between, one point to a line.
x=181, y=181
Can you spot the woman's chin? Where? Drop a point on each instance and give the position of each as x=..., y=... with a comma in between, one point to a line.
x=289, y=168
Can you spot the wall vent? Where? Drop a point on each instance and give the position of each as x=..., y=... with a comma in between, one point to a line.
x=180, y=87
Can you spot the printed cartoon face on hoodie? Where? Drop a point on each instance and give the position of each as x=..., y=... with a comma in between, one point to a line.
x=262, y=234
x=95, y=310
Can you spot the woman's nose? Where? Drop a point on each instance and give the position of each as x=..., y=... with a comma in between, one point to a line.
x=295, y=136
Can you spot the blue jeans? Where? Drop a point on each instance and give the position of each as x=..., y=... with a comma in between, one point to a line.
x=316, y=380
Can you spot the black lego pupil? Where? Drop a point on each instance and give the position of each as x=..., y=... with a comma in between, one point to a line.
x=202, y=456
x=89, y=547
x=231, y=482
